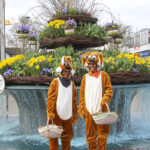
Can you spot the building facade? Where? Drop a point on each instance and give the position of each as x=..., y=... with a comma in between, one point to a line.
x=141, y=43
x=2, y=29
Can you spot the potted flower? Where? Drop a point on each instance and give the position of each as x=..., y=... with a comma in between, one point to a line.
x=112, y=29
x=118, y=38
x=23, y=31
x=32, y=39
x=72, y=11
x=70, y=26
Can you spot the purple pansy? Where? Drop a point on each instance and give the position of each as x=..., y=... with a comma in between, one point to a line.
x=135, y=69
x=45, y=70
x=24, y=29
x=79, y=11
x=64, y=10
x=33, y=37
x=8, y=72
x=109, y=24
x=70, y=24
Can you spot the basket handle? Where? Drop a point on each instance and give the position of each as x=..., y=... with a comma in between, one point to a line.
x=107, y=108
x=48, y=121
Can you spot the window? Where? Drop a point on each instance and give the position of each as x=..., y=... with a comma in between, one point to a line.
x=137, y=39
x=144, y=37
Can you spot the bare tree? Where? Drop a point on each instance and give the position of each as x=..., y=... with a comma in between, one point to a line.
x=49, y=7
x=127, y=33
x=127, y=37
x=11, y=36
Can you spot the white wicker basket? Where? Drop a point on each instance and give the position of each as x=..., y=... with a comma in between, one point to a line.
x=50, y=131
x=105, y=117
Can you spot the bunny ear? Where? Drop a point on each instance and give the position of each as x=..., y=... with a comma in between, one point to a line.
x=72, y=72
x=68, y=57
x=62, y=60
x=58, y=70
x=100, y=62
x=84, y=58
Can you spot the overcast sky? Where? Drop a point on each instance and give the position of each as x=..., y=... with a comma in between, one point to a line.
x=131, y=12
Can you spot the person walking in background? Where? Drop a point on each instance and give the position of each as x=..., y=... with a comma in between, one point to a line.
x=62, y=104
x=95, y=91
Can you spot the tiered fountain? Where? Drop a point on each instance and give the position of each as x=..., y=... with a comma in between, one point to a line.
x=130, y=101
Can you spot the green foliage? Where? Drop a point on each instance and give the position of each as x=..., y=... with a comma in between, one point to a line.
x=51, y=32
x=111, y=26
x=91, y=30
x=82, y=30
x=110, y=53
x=72, y=11
x=32, y=64
x=18, y=67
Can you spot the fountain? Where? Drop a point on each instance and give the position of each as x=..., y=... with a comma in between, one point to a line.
x=131, y=102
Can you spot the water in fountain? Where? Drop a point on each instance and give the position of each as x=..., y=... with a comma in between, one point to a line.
x=129, y=132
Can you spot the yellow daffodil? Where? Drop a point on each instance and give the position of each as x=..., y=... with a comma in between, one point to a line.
x=37, y=67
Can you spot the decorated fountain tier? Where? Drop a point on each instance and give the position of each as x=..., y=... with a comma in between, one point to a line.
x=77, y=18
x=79, y=15
x=122, y=77
x=74, y=40
x=72, y=27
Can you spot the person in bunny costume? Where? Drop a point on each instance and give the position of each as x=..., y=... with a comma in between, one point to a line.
x=62, y=104
x=95, y=91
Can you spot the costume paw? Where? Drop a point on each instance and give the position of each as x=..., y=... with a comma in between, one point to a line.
x=102, y=104
x=51, y=116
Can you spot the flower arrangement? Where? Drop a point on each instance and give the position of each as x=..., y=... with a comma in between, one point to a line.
x=91, y=30
x=118, y=38
x=70, y=26
x=112, y=29
x=55, y=29
x=119, y=35
x=72, y=11
x=8, y=73
x=45, y=71
x=36, y=64
x=32, y=39
x=111, y=26
x=22, y=31
x=57, y=24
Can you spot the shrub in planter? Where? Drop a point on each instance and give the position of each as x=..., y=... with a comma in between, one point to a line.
x=91, y=30
x=72, y=11
x=70, y=26
x=23, y=31
x=118, y=38
x=118, y=41
x=55, y=29
x=112, y=29
x=32, y=39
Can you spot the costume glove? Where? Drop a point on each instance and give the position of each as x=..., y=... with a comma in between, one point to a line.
x=51, y=116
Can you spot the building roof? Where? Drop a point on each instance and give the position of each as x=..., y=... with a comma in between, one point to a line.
x=145, y=29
